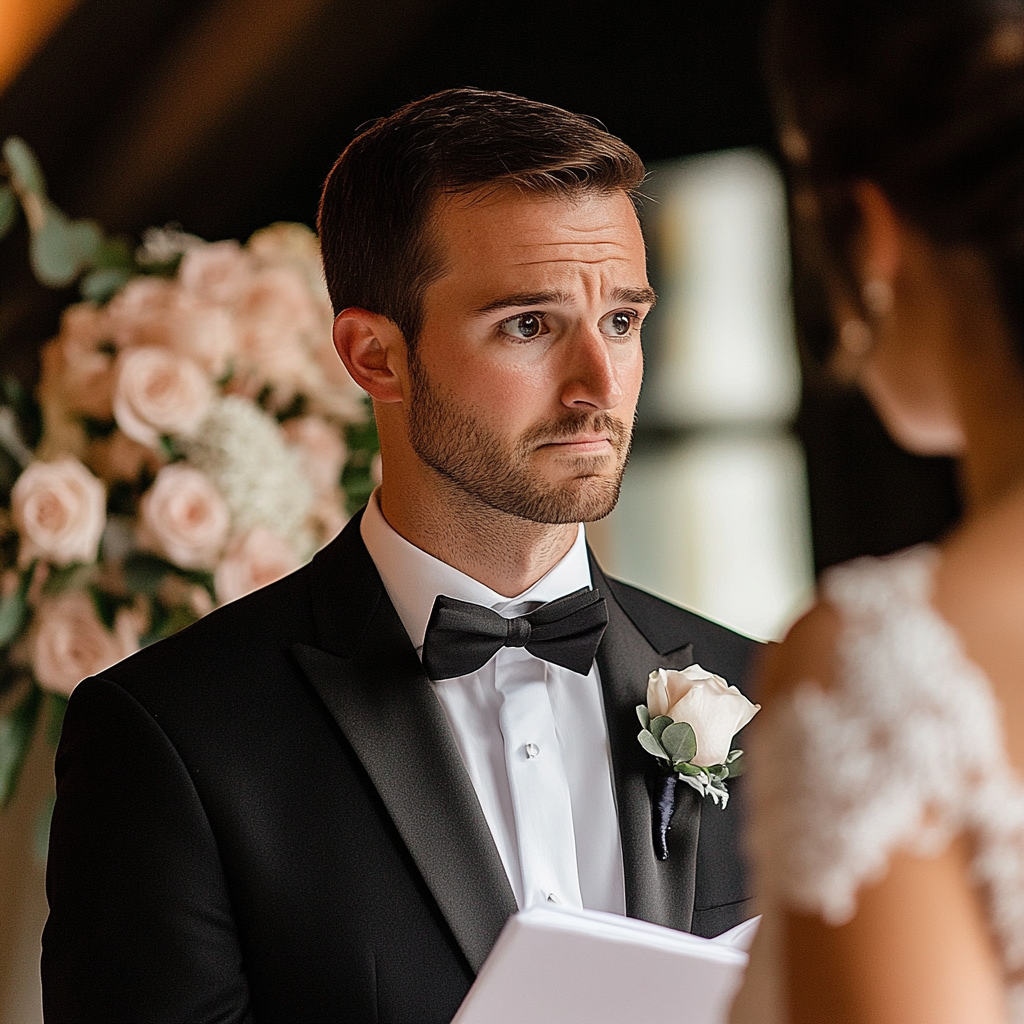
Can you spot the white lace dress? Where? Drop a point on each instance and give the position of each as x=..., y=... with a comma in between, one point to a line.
x=902, y=754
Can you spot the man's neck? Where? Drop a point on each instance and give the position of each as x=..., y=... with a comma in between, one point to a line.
x=503, y=552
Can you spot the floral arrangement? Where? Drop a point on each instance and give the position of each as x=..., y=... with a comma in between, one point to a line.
x=688, y=725
x=193, y=436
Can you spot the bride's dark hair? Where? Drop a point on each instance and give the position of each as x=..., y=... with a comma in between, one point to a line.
x=924, y=98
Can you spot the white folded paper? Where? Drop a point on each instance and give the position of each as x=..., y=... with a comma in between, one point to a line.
x=561, y=966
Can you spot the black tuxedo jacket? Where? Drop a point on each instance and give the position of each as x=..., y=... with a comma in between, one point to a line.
x=265, y=818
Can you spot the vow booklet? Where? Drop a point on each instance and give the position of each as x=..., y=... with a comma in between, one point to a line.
x=560, y=966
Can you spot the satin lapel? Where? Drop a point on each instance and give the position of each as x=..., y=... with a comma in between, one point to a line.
x=656, y=890
x=384, y=705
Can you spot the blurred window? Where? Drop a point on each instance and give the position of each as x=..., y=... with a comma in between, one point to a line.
x=713, y=513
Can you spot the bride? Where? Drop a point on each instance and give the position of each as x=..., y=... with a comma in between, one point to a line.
x=888, y=770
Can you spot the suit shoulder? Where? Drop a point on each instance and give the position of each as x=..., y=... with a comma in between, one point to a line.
x=247, y=637
x=667, y=627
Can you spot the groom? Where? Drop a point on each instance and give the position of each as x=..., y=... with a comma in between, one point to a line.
x=322, y=802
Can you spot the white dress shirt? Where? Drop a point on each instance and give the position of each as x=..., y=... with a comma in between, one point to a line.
x=532, y=735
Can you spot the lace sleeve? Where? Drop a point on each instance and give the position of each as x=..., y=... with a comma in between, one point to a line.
x=892, y=757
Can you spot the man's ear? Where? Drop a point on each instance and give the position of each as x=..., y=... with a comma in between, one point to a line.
x=881, y=234
x=373, y=351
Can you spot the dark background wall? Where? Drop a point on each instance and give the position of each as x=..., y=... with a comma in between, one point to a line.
x=225, y=115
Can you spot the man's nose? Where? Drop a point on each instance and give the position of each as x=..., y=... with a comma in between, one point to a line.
x=592, y=376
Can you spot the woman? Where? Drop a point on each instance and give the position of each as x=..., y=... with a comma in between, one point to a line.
x=888, y=770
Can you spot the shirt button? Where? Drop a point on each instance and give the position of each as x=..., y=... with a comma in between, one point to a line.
x=552, y=898
x=532, y=750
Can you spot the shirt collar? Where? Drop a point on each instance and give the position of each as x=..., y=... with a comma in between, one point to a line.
x=413, y=579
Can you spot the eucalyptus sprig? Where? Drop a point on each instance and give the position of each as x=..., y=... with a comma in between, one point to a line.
x=674, y=745
x=61, y=250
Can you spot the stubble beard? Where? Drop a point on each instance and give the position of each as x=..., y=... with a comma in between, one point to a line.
x=496, y=471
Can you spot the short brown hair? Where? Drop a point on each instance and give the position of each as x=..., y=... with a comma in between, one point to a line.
x=376, y=203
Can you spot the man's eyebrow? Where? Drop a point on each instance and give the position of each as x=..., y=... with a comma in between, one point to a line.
x=640, y=296
x=517, y=300
x=525, y=299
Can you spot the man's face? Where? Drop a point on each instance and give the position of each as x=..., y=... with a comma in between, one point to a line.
x=525, y=376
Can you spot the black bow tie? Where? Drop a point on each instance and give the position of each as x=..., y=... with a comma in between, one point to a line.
x=462, y=637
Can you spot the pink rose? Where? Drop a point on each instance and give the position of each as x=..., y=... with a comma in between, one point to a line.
x=158, y=392
x=142, y=311
x=216, y=273
x=184, y=517
x=321, y=448
x=69, y=643
x=76, y=373
x=206, y=334
x=253, y=560
x=275, y=317
x=60, y=510
x=157, y=312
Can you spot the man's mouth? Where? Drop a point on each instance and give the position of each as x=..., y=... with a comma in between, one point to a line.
x=581, y=444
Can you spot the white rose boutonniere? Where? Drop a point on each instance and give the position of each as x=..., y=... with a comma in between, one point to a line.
x=688, y=722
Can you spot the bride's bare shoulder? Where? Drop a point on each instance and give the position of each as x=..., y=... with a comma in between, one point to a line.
x=806, y=655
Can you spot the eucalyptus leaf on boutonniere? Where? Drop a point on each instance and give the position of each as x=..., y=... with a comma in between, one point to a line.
x=688, y=722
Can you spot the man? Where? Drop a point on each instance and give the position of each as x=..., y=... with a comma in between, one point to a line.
x=323, y=801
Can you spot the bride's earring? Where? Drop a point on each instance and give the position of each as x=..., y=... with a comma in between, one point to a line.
x=877, y=295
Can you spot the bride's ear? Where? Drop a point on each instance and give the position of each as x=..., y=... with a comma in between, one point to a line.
x=879, y=244
x=374, y=352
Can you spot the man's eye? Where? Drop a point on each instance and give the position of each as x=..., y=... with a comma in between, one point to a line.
x=524, y=326
x=619, y=323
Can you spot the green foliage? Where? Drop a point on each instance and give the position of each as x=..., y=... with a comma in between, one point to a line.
x=651, y=745
x=144, y=573
x=41, y=831
x=106, y=604
x=679, y=742
x=166, y=622
x=14, y=608
x=16, y=730
x=25, y=170
x=102, y=285
x=8, y=209
x=69, y=577
x=659, y=725
x=26, y=409
x=55, y=723
x=674, y=744
x=60, y=248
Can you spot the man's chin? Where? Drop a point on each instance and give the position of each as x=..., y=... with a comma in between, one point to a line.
x=581, y=499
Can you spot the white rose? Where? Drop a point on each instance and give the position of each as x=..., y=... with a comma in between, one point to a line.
x=60, y=510
x=714, y=710
x=184, y=517
x=252, y=561
x=276, y=317
x=157, y=392
x=69, y=642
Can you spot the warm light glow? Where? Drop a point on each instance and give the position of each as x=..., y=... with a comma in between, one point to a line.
x=24, y=27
